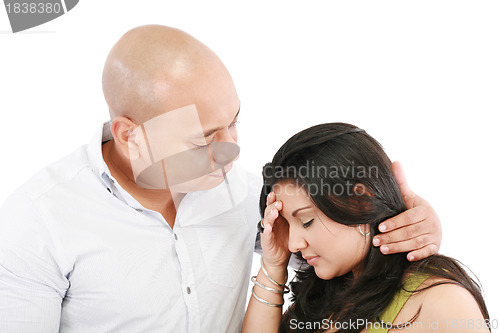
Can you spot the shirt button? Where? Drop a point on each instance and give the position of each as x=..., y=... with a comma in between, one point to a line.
x=176, y=238
x=188, y=290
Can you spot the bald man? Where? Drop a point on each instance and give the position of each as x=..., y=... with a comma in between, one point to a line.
x=150, y=227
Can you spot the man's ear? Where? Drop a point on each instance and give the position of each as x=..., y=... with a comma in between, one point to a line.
x=123, y=133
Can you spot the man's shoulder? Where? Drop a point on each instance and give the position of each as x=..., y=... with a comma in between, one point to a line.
x=61, y=172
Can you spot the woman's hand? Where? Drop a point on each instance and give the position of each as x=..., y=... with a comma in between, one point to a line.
x=265, y=306
x=274, y=239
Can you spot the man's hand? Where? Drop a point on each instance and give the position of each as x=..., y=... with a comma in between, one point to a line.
x=417, y=230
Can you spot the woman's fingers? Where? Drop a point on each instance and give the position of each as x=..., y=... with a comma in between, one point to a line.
x=274, y=238
x=272, y=211
x=270, y=198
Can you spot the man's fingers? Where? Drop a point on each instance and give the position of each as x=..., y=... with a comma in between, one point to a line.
x=414, y=244
x=423, y=253
x=399, y=174
x=406, y=218
x=408, y=195
x=401, y=234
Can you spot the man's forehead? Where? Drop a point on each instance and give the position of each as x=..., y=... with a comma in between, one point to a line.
x=187, y=121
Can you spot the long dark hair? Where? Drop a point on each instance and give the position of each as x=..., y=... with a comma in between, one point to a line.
x=328, y=160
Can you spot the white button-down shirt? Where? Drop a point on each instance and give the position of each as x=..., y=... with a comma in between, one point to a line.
x=80, y=254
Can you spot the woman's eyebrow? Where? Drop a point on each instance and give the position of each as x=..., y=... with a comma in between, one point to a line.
x=294, y=213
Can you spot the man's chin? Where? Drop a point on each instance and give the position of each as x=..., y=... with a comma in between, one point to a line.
x=203, y=183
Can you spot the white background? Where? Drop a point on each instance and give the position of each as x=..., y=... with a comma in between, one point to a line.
x=422, y=77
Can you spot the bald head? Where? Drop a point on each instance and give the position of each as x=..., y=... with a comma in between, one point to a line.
x=154, y=69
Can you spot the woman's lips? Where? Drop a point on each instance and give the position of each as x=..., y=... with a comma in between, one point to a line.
x=311, y=260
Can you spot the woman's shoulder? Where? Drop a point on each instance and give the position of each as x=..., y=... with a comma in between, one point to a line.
x=441, y=305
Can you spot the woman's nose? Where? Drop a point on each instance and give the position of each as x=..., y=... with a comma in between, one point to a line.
x=296, y=242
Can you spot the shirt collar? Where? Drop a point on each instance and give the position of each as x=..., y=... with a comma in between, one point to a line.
x=100, y=168
x=225, y=197
x=94, y=152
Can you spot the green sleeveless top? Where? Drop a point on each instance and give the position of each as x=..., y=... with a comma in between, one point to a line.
x=398, y=301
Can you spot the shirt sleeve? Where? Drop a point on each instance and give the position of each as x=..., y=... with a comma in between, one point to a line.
x=32, y=284
x=258, y=247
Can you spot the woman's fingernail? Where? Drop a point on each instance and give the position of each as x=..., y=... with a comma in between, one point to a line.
x=272, y=211
x=276, y=204
x=376, y=242
x=382, y=227
x=384, y=249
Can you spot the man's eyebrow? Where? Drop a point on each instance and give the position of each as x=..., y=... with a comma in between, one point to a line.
x=298, y=210
x=209, y=132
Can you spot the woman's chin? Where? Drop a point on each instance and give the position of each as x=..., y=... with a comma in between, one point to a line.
x=324, y=275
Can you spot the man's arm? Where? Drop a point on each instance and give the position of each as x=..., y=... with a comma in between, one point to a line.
x=417, y=230
x=31, y=284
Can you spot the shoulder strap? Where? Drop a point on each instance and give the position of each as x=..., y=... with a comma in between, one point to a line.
x=398, y=301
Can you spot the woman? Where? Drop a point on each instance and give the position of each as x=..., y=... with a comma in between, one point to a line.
x=325, y=192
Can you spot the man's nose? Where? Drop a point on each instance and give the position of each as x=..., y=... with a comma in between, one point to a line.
x=225, y=135
x=224, y=149
x=224, y=153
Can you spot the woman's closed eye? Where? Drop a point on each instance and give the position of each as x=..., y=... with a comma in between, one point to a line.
x=308, y=224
